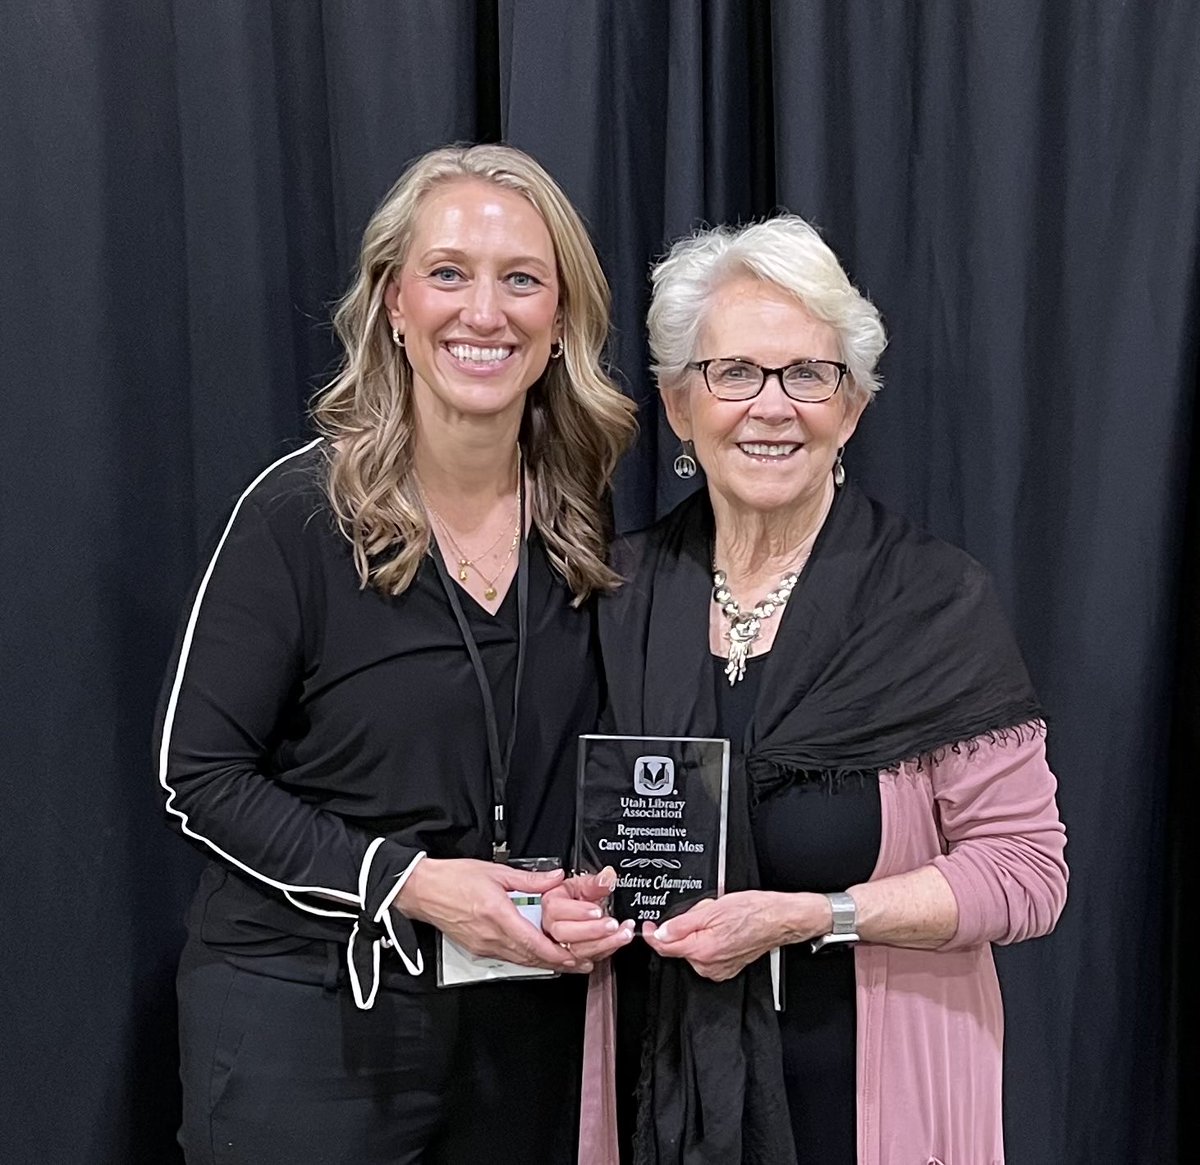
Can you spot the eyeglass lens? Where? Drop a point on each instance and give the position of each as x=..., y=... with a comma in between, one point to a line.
x=805, y=380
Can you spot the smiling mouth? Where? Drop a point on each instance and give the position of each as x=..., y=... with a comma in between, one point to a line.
x=472, y=354
x=762, y=451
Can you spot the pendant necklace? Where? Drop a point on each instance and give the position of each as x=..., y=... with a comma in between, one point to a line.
x=466, y=563
x=746, y=626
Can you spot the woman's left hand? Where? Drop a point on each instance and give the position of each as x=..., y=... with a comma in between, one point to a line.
x=719, y=937
x=573, y=915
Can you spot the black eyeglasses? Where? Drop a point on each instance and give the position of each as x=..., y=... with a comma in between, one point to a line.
x=810, y=381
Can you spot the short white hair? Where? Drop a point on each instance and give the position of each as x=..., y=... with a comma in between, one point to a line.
x=786, y=252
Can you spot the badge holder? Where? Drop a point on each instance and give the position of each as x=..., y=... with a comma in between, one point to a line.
x=457, y=967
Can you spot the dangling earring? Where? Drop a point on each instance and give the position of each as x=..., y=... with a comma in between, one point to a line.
x=397, y=339
x=839, y=470
x=685, y=463
x=553, y=354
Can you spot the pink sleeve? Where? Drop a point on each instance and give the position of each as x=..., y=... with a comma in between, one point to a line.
x=1004, y=840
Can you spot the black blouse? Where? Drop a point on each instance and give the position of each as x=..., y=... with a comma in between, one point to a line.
x=315, y=737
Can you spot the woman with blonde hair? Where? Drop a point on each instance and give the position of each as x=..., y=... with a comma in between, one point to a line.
x=368, y=727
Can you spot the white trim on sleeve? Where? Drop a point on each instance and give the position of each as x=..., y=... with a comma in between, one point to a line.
x=361, y=1002
x=383, y=914
x=289, y=891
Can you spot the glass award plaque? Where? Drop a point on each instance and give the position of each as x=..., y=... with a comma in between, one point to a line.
x=655, y=809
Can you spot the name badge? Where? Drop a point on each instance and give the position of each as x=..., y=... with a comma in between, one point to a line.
x=457, y=966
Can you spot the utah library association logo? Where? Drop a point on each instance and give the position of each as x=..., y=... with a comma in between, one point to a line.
x=654, y=776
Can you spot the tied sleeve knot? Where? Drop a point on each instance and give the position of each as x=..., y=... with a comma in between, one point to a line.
x=385, y=868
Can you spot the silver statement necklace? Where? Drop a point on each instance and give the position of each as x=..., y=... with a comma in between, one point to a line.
x=746, y=626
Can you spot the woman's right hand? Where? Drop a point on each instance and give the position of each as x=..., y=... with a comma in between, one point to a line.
x=573, y=915
x=467, y=900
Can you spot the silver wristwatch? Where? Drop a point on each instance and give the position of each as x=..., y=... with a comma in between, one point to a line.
x=845, y=923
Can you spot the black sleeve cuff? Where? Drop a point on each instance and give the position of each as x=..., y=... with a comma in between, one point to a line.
x=385, y=868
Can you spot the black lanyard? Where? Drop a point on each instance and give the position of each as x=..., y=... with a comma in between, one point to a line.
x=500, y=762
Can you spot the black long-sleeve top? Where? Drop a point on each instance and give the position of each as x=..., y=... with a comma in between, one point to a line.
x=315, y=738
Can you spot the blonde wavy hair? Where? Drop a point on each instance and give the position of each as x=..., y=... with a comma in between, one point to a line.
x=576, y=423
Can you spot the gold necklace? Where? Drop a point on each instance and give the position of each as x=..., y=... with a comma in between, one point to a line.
x=466, y=563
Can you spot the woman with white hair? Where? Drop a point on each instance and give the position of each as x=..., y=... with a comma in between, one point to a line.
x=891, y=810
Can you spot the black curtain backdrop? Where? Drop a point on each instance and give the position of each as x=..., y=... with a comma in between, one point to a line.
x=182, y=189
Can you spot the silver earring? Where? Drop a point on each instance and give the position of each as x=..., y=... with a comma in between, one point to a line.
x=685, y=463
x=397, y=339
x=839, y=470
x=553, y=354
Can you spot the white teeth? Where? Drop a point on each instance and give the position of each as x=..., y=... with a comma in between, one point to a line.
x=478, y=355
x=768, y=450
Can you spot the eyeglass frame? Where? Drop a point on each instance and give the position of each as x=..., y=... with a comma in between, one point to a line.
x=701, y=366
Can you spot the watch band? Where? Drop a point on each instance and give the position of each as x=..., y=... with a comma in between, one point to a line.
x=845, y=922
x=845, y=913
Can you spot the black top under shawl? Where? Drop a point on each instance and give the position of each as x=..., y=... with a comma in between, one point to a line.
x=815, y=836
x=892, y=645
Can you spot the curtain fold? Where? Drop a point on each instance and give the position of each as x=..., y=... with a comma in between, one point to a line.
x=182, y=192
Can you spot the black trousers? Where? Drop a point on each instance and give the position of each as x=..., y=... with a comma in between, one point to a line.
x=280, y=1072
